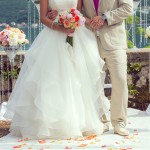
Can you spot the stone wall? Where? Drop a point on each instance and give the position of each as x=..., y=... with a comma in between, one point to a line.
x=138, y=77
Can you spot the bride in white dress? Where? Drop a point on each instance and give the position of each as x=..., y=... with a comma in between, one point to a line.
x=60, y=89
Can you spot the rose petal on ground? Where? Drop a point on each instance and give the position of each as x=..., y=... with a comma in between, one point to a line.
x=91, y=137
x=92, y=143
x=18, y=146
x=53, y=141
x=83, y=145
x=20, y=140
x=67, y=147
x=104, y=146
x=41, y=141
x=80, y=139
x=26, y=139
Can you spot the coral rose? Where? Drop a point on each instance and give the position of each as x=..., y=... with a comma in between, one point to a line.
x=66, y=24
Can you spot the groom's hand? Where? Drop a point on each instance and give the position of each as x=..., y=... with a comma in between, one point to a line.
x=52, y=14
x=87, y=21
x=96, y=23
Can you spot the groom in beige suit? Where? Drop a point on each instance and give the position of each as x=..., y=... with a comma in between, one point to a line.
x=107, y=21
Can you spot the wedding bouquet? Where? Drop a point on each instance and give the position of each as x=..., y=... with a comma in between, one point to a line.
x=147, y=34
x=12, y=37
x=71, y=19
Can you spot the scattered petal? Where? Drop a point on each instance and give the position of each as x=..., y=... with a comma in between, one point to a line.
x=126, y=137
x=91, y=137
x=69, y=139
x=104, y=146
x=53, y=141
x=92, y=143
x=20, y=140
x=67, y=147
x=26, y=139
x=41, y=141
x=83, y=145
x=18, y=146
x=110, y=148
x=80, y=139
x=135, y=130
x=123, y=149
x=117, y=143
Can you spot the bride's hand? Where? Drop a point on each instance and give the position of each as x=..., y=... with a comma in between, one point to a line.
x=62, y=29
x=52, y=14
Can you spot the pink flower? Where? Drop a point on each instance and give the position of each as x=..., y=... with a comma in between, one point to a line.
x=76, y=12
x=4, y=43
x=69, y=16
x=81, y=22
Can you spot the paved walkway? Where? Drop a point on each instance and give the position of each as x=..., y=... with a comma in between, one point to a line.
x=139, y=139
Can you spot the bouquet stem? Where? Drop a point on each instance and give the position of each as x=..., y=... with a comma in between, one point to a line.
x=70, y=40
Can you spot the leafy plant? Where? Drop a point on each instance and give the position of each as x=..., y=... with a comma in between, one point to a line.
x=7, y=73
x=140, y=30
x=132, y=90
x=148, y=46
x=129, y=20
x=134, y=67
x=130, y=44
x=10, y=74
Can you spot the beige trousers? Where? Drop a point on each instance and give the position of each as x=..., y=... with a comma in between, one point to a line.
x=116, y=62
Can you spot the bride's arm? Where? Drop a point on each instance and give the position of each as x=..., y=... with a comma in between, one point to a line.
x=43, y=13
x=48, y=22
x=79, y=7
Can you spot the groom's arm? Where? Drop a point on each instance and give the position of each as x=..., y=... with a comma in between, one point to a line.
x=80, y=8
x=124, y=10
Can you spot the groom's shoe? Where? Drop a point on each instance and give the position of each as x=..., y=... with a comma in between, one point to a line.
x=106, y=127
x=121, y=130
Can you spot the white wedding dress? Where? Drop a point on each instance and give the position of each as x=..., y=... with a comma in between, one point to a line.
x=60, y=90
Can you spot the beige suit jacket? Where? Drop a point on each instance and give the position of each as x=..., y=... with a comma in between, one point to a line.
x=112, y=34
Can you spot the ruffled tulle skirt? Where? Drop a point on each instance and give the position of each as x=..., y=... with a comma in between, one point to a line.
x=60, y=90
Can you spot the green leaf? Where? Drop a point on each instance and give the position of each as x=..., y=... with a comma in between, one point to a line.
x=140, y=30
x=130, y=44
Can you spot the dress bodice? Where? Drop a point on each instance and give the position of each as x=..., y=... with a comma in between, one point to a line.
x=62, y=5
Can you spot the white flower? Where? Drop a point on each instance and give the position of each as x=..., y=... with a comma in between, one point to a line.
x=147, y=35
x=13, y=39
